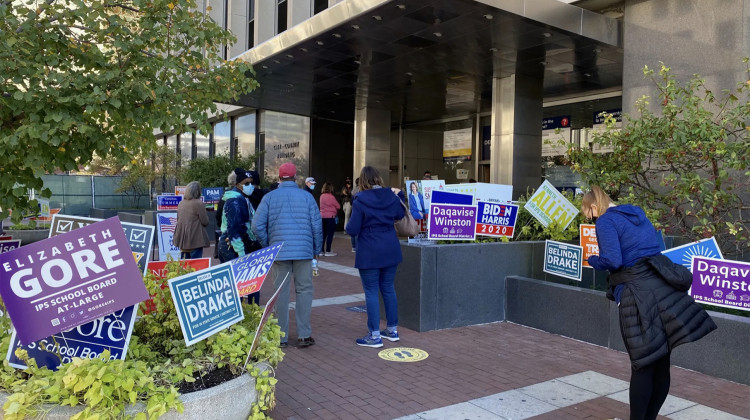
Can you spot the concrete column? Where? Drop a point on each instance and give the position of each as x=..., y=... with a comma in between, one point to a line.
x=516, y=132
x=299, y=11
x=372, y=141
x=265, y=20
x=238, y=26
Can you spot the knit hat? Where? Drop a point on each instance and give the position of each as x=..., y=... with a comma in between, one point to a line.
x=242, y=175
x=287, y=170
x=256, y=177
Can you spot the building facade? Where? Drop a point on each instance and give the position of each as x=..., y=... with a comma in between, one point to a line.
x=462, y=88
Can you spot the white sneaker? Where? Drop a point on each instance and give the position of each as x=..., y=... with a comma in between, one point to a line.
x=330, y=254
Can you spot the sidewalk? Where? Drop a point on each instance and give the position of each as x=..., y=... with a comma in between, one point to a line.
x=491, y=371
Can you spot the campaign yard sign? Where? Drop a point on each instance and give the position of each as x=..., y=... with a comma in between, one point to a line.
x=140, y=237
x=167, y=202
x=206, y=302
x=264, y=318
x=588, y=242
x=111, y=332
x=251, y=270
x=166, y=224
x=563, y=259
x=68, y=280
x=721, y=282
x=548, y=205
x=684, y=254
x=496, y=219
x=9, y=245
x=452, y=221
x=212, y=195
x=159, y=270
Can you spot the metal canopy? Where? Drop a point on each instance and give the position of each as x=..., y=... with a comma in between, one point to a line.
x=429, y=59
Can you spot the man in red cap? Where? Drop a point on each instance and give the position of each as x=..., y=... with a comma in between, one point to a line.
x=290, y=215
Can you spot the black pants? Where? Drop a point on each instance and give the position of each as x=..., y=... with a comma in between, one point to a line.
x=649, y=387
x=329, y=228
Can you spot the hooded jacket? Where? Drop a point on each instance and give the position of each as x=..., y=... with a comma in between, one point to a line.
x=625, y=235
x=236, y=218
x=656, y=313
x=373, y=213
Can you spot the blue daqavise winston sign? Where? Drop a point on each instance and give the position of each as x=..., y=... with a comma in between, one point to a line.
x=206, y=301
x=563, y=259
x=721, y=282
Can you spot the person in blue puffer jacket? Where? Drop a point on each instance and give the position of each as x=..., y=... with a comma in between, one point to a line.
x=237, y=239
x=656, y=314
x=290, y=215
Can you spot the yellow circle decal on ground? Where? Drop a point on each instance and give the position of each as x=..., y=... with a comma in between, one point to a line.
x=403, y=354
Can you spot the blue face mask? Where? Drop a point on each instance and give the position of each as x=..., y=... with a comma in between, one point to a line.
x=248, y=189
x=312, y=187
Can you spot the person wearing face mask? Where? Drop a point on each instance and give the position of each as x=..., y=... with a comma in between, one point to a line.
x=309, y=184
x=237, y=238
x=257, y=193
x=656, y=313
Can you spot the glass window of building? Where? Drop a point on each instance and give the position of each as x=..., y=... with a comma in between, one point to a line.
x=287, y=139
x=319, y=6
x=250, y=24
x=281, y=7
x=244, y=130
x=222, y=133
x=186, y=147
x=172, y=143
x=202, y=145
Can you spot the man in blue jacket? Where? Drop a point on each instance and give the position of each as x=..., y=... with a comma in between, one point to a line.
x=290, y=215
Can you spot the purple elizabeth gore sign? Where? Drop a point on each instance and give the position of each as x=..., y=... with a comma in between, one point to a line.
x=451, y=221
x=721, y=282
x=68, y=280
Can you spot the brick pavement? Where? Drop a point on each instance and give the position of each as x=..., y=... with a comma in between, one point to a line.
x=338, y=379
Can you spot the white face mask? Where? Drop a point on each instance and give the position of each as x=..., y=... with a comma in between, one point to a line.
x=248, y=189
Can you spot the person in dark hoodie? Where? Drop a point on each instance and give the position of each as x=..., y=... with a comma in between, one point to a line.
x=258, y=193
x=237, y=238
x=374, y=210
x=656, y=313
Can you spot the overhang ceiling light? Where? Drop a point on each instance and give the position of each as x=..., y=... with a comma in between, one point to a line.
x=377, y=17
x=546, y=34
x=320, y=42
x=493, y=49
x=336, y=35
x=289, y=56
x=401, y=6
x=488, y=16
x=355, y=27
x=437, y=34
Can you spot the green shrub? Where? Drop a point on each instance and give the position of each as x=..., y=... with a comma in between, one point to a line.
x=158, y=364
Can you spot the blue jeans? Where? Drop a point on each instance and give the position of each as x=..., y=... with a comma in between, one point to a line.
x=374, y=279
x=196, y=253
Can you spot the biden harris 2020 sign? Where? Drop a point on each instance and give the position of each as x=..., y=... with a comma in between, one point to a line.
x=68, y=280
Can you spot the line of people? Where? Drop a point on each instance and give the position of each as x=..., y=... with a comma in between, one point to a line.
x=251, y=219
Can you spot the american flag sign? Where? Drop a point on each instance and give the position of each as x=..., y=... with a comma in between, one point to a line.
x=167, y=224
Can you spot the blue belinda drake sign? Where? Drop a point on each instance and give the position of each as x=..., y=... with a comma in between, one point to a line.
x=206, y=302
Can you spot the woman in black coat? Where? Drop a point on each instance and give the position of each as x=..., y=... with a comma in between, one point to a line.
x=656, y=313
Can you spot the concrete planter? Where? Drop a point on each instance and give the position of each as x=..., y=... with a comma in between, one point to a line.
x=231, y=400
x=447, y=286
x=587, y=315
